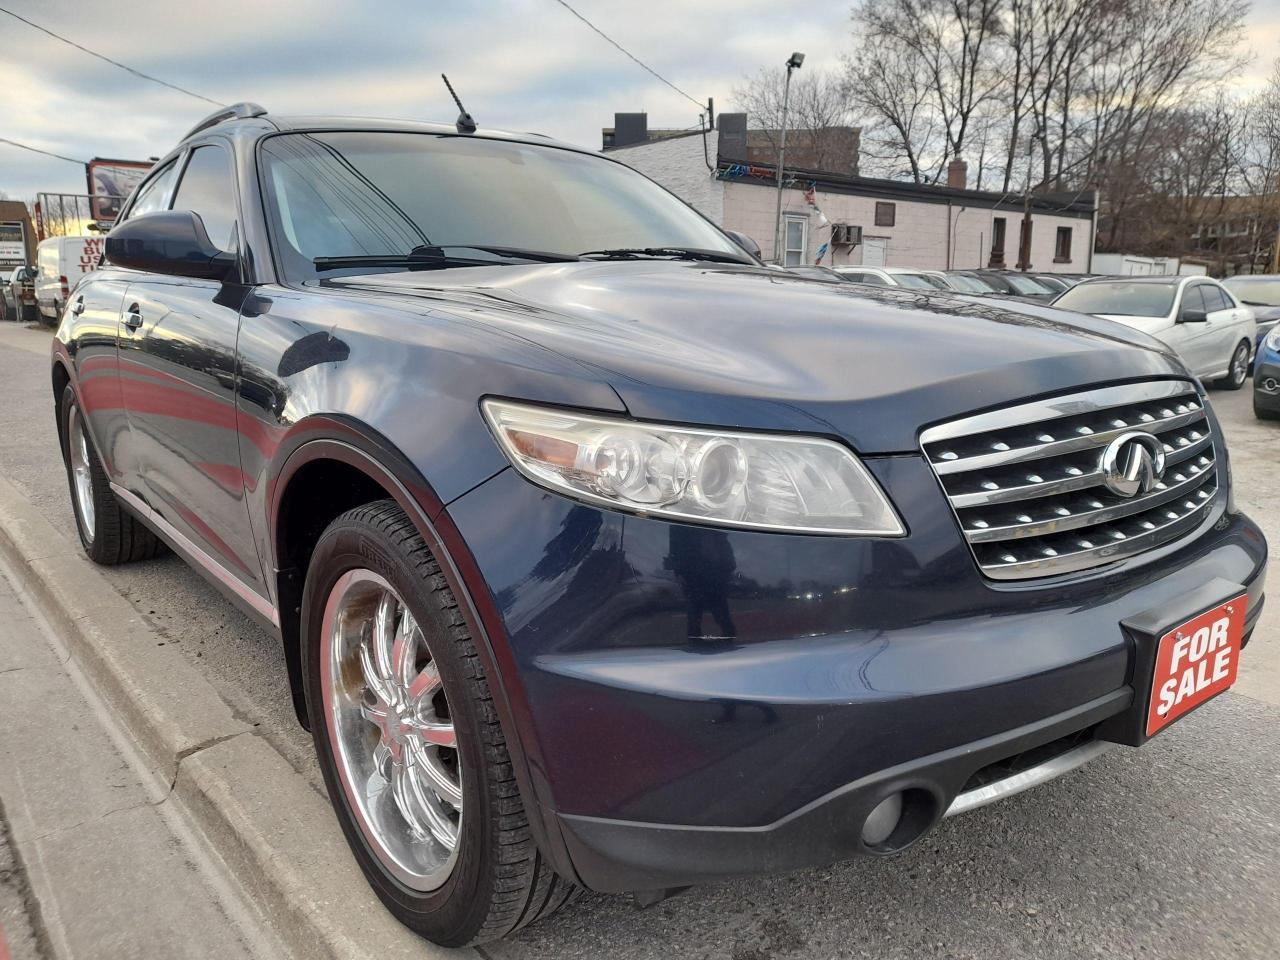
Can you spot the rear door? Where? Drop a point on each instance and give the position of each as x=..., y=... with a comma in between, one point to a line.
x=178, y=374
x=1227, y=324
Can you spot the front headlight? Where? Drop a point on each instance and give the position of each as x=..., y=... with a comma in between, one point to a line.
x=1272, y=341
x=749, y=480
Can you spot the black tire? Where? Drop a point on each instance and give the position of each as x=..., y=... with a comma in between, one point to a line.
x=500, y=881
x=1238, y=371
x=115, y=535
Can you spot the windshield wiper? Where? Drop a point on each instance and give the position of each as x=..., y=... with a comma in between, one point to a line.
x=433, y=257
x=672, y=253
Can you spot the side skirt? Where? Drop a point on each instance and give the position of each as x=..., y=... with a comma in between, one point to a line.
x=235, y=590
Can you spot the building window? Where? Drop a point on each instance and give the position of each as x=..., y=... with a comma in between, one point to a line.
x=797, y=241
x=997, y=242
x=886, y=213
x=1062, y=246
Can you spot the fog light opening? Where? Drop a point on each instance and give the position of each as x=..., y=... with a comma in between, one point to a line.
x=899, y=820
x=1270, y=384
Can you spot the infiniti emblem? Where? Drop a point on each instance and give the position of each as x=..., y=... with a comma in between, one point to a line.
x=1132, y=464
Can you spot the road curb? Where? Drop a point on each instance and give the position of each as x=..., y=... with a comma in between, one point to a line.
x=274, y=833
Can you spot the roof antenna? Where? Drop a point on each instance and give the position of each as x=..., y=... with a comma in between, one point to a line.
x=466, y=123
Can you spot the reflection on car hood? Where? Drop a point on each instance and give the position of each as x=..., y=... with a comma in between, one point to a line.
x=750, y=347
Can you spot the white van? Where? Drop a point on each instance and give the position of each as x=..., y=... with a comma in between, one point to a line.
x=60, y=263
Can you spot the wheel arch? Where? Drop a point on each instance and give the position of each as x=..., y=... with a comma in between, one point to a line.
x=365, y=466
x=61, y=378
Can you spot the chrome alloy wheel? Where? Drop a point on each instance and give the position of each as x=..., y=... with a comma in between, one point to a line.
x=394, y=744
x=82, y=476
x=1240, y=364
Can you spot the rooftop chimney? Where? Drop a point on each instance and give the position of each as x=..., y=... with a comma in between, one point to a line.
x=957, y=174
x=733, y=136
x=629, y=128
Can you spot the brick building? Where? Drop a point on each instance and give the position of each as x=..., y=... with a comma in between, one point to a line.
x=848, y=219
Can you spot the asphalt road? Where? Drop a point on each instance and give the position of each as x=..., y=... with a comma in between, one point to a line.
x=1170, y=851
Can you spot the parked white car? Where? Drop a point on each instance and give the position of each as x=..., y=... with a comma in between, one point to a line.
x=60, y=263
x=1210, y=330
x=893, y=277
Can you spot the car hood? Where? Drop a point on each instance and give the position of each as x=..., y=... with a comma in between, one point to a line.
x=749, y=347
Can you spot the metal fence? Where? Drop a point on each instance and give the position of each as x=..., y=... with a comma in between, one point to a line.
x=70, y=214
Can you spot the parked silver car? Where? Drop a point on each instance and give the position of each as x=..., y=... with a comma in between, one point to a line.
x=1212, y=332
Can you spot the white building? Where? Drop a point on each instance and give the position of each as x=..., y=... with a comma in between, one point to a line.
x=868, y=221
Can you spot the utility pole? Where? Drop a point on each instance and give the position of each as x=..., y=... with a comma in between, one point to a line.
x=792, y=64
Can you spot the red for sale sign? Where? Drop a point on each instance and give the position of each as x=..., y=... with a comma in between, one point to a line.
x=1195, y=662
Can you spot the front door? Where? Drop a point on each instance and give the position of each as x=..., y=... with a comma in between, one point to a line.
x=178, y=377
x=875, y=251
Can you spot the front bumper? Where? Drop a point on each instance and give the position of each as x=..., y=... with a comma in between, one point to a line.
x=1266, y=382
x=662, y=753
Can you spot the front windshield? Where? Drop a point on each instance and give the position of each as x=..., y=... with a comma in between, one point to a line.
x=969, y=284
x=383, y=194
x=1120, y=298
x=1258, y=291
x=1027, y=285
x=916, y=281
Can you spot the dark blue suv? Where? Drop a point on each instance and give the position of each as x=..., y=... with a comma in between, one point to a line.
x=603, y=556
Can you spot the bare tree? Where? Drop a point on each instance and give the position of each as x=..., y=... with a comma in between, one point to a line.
x=1159, y=55
x=951, y=43
x=818, y=104
x=891, y=89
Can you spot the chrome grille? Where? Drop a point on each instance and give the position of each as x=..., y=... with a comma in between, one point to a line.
x=1027, y=483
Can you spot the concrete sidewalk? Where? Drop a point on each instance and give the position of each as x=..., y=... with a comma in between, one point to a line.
x=96, y=843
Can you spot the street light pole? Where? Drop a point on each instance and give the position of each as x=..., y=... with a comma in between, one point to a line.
x=792, y=64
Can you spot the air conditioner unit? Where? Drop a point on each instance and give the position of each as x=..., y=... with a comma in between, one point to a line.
x=846, y=234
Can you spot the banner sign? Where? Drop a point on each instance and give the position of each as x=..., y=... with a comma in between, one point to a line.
x=13, y=244
x=111, y=182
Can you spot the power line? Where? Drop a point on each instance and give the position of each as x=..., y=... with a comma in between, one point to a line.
x=632, y=56
x=23, y=146
x=114, y=63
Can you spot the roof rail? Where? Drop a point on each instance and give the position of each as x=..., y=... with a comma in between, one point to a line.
x=237, y=111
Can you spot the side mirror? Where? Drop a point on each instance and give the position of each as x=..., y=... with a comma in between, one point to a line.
x=745, y=242
x=1193, y=315
x=172, y=242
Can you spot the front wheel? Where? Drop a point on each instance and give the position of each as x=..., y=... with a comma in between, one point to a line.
x=411, y=748
x=1238, y=372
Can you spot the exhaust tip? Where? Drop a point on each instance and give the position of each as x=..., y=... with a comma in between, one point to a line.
x=899, y=820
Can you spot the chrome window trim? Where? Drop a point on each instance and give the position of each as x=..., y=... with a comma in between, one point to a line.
x=197, y=555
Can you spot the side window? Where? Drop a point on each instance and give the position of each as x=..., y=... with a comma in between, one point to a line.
x=207, y=188
x=153, y=193
x=1215, y=298
x=1193, y=299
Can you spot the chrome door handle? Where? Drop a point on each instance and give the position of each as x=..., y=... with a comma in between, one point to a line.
x=133, y=319
x=77, y=308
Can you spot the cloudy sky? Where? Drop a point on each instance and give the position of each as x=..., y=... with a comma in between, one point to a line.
x=520, y=64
